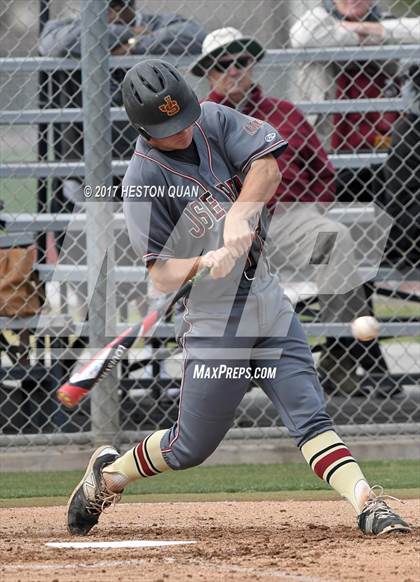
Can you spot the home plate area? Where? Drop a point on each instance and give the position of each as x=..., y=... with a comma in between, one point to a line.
x=238, y=541
x=121, y=544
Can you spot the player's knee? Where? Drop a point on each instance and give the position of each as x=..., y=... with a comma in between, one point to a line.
x=323, y=424
x=189, y=461
x=182, y=457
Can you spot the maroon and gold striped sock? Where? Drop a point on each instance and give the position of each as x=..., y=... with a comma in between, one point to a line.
x=143, y=460
x=331, y=460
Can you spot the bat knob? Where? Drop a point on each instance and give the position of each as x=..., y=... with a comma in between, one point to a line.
x=70, y=395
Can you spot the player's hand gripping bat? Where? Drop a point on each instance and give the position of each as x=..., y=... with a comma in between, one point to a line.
x=80, y=383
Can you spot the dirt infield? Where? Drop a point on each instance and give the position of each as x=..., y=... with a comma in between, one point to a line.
x=239, y=541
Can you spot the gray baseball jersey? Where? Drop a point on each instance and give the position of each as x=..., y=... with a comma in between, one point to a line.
x=185, y=218
x=188, y=202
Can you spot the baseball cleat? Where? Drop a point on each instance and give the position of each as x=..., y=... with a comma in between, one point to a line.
x=91, y=497
x=377, y=518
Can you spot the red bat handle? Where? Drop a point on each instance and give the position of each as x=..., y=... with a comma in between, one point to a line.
x=71, y=393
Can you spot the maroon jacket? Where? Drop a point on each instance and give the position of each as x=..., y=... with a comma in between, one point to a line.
x=308, y=175
x=363, y=131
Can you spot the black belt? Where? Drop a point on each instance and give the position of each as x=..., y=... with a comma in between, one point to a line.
x=249, y=274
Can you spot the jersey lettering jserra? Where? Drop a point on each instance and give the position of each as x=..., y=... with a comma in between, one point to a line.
x=191, y=222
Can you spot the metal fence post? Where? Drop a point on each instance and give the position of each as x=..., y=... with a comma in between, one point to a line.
x=148, y=399
x=97, y=148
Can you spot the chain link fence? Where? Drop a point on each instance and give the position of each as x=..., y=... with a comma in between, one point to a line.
x=68, y=275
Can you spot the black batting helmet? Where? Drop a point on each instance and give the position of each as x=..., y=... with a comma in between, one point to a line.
x=158, y=100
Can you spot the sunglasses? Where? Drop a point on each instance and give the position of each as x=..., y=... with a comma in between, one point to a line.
x=238, y=63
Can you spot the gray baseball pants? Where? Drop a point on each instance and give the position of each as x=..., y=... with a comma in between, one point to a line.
x=262, y=333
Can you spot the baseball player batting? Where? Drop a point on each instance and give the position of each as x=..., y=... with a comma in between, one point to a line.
x=216, y=169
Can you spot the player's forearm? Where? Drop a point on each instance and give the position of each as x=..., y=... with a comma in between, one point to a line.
x=260, y=185
x=168, y=276
x=319, y=29
x=60, y=38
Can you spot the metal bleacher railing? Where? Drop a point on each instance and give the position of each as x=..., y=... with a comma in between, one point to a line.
x=19, y=228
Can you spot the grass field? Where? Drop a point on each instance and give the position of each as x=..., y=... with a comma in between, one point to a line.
x=216, y=483
x=19, y=195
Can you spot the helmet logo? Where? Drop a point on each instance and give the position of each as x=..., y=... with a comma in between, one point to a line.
x=170, y=107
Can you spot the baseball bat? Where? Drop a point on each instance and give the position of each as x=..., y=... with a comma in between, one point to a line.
x=80, y=383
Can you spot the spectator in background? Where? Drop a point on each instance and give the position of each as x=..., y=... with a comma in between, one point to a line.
x=308, y=179
x=402, y=191
x=338, y=23
x=130, y=32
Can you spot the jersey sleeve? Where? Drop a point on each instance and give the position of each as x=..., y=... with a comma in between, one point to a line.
x=150, y=227
x=247, y=139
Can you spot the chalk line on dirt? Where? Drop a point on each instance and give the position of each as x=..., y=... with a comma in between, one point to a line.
x=117, y=544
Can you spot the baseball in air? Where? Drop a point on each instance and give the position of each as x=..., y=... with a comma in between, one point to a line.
x=365, y=328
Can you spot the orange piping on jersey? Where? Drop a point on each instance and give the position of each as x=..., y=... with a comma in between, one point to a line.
x=260, y=154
